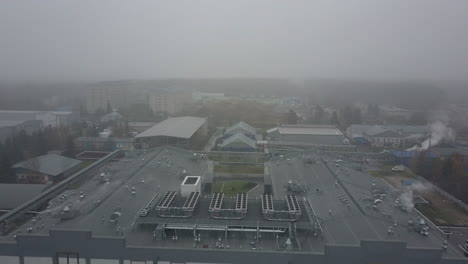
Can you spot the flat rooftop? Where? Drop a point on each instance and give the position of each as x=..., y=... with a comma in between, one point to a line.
x=310, y=130
x=330, y=186
x=336, y=199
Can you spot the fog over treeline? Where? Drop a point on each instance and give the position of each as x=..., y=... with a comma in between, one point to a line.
x=54, y=40
x=411, y=95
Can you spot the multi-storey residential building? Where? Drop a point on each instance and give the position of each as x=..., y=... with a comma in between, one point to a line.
x=97, y=98
x=169, y=101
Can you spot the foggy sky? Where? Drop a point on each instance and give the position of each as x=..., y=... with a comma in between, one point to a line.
x=102, y=40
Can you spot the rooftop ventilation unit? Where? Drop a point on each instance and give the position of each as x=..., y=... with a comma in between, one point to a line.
x=238, y=212
x=166, y=200
x=241, y=202
x=191, y=201
x=216, y=202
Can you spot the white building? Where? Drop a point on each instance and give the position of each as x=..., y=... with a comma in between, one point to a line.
x=97, y=98
x=170, y=102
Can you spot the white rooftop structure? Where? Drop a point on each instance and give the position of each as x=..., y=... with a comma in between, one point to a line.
x=189, y=185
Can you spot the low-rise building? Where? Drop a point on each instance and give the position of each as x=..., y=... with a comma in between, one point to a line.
x=45, y=169
x=9, y=128
x=185, y=132
x=240, y=127
x=388, y=136
x=47, y=118
x=307, y=134
x=238, y=142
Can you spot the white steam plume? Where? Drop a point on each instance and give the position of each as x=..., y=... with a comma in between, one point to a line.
x=406, y=198
x=439, y=132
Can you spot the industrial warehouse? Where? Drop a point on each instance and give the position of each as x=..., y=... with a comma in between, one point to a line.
x=159, y=204
x=183, y=132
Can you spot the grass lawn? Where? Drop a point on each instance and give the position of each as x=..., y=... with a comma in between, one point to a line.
x=437, y=215
x=231, y=188
x=439, y=210
x=238, y=169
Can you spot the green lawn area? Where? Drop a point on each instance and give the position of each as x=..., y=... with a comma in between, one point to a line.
x=238, y=169
x=231, y=188
x=438, y=216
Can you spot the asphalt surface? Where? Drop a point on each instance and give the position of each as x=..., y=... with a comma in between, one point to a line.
x=349, y=224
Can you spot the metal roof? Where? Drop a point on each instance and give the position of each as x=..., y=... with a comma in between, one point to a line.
x=12, y=195
x=240, y=126
x=310, y=130
x=50, y=164
x=238, y=138
x=181, y=127
x=374, y=130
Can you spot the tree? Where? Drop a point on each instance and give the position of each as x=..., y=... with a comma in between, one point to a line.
x=70, y=148
x=318, y=114
x=346, y=116
x=109, y=107
x=437, y=170
x=334, y=119
x=357, y=117
x=418, y=118
x=292, y=117
x=373, y=110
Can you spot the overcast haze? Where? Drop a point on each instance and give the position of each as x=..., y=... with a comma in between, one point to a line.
x=102, y=40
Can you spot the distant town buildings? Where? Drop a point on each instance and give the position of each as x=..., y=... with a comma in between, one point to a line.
x=111, y=117
x=97, y=98
x=395, y=112
x=9, y=128
x=45, y=169
x=12, y=122
x=47, y=118
x=201, y=96
x=280, y=100
x=169, y=101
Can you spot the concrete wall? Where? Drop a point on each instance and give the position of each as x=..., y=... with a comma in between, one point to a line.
x=89, y=247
